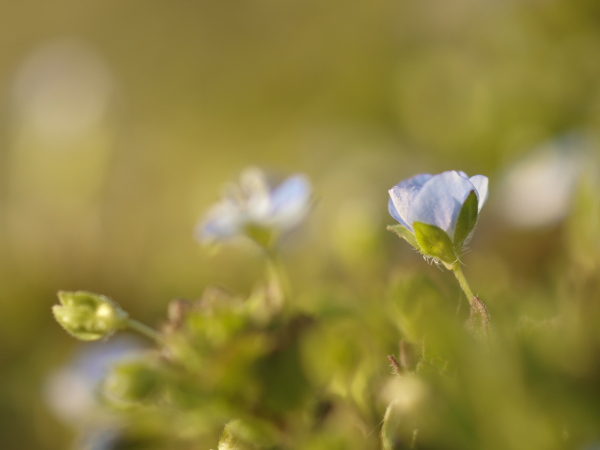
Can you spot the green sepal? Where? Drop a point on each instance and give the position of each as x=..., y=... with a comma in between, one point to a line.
x=433, y=241
x=467, y=218
x=263, y=236
x=405, y=234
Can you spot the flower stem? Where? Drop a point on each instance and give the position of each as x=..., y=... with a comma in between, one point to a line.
x=277, y=275
x=391, y=420
x=144, y=330
x=462, y=281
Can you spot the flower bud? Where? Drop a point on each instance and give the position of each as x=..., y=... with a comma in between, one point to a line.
x=88, y=316
x=131, y=382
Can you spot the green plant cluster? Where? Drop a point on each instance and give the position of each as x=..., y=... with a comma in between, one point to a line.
x=231, y=372
x=401, y=365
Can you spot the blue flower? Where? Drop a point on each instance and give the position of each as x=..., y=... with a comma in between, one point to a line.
x=257, y=210
x=449, y=201
x=72, y=390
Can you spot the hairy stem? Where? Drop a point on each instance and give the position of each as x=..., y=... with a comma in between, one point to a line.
x=144, y=330
x=462, y=281
x=391, y=420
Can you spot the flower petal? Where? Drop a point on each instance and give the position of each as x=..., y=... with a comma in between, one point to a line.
x=400, y=200
x=221, y=221
x=440, y=200
x=481, y=186
x=290, y=200
x=255, y=193
x=417, y=181
x=402, y=195
x=394, y=212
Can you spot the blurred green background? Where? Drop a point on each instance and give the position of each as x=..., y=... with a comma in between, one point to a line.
x=121, y=120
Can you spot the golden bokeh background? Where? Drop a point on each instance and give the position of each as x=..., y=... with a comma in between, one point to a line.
x=121, y=120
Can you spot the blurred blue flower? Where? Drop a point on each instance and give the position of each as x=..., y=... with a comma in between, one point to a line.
x=98, y=438
x=72, y=391
x=539, y=188
x=254, y=208
x=435, y=199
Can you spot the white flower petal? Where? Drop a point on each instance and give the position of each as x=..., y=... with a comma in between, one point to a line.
x=402, y=195
x=401, y=198
x=440, y=200
x=394, y=213
x=223, y=220
x=481, y=185
x=416, y=181
x=289, y=201
x=255, y=194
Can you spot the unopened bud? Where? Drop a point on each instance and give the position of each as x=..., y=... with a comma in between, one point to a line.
x=88, y=316
x=131, y=382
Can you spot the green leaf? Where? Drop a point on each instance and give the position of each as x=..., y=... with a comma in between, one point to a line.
x=467, y=218
x=405, y=234
x=433, y=241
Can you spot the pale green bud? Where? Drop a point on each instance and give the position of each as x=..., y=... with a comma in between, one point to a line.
x=131, y=382
x=88, y=316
